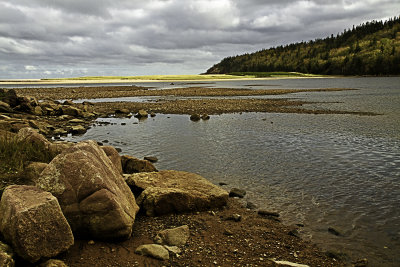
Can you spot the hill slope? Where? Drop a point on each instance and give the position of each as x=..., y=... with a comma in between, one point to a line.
x=372, y=48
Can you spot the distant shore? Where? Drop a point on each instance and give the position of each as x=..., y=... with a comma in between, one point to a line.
x=154, y=78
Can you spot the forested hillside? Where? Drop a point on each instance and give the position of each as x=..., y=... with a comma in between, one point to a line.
x=372, y=48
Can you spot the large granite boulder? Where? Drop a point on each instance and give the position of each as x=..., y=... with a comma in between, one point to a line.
x=175, y=191
x=31, y=221
x=135, y=165
x=31, y=135
x=91, y=191
x=114, y=156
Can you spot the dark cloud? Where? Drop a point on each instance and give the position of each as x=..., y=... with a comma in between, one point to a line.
x=53, y=38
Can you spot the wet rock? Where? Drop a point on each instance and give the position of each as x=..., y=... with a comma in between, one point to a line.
x=135, y=165
x=173, y=237
x=236, y=192
x=142, y=114
x=151, y=159
x=30, y=216
x=60, y=131
x=153, y=250
x=222, y=183
x=268, y=213
x=294, y=232
x=91, y=191
x=167, y=192
x=114, y=156
x=195, y=117
x=152, y=114
x=6, y=255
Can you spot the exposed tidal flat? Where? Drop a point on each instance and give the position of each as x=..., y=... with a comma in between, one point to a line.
x=336, y=172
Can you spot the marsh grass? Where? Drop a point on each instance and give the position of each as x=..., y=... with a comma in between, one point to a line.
x=15, y=155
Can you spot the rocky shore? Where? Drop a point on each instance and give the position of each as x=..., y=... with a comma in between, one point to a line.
x=90, y=206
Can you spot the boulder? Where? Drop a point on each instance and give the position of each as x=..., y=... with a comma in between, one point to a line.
x=6, y=255
x=91, y=191
x=114, y=156
x=153, y=250
x=32, y=222
x=30, y=135
x=174, y=237
x=135, y=165
x=33, y=170
x=175, y=191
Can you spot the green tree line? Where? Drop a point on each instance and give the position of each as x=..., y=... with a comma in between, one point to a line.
x=372, y=48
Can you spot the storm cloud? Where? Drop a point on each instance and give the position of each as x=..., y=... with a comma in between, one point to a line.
x=57, y=38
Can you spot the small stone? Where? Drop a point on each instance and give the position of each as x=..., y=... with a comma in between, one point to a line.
x=195, y=117
x=222, y=183
x=174, y=237
x=236, y=192
x=152, y=114
x=251, y=205
x=153, y=250
x=91, y=242
x=268, y=213
x=228, y=232
x=234, y=217
x=361, y=263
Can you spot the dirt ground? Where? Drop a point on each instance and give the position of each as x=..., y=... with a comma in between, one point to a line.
x=214, y=241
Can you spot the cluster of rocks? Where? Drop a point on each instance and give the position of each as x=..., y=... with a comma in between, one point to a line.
x=68, y=117
x=197, y=117
x=88, y=190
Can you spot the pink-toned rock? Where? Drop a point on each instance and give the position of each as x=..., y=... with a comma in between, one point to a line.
x=114, y=156
x=91, y=191
x=32, y=222
x=175, y=191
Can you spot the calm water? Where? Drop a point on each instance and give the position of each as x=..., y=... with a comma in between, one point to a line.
x=340, y=171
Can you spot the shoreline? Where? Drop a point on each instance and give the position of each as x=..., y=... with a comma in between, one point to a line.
x=133, y=80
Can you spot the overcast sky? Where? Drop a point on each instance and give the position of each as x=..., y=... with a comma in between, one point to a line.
x=69, y=38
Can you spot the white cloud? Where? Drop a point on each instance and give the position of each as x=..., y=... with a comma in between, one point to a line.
x=100, y=37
